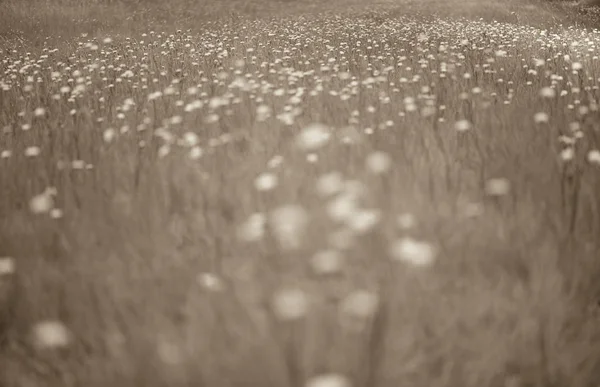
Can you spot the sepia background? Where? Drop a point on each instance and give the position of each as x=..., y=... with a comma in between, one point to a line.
x=299, y=193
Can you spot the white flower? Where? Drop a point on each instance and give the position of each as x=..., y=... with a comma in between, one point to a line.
x=462, y=125
x=593, y=157
x=109, y=135
x=360, y=304
x=288, y=224
x=210, y=281
x=329, y=380
x=265, y=182
x=412, y=251
x=312, y=158
x=378, y=162
x=51, y=335
x=195, y=153
x=290, y=304
x=342, y=207
x=7, y=266
x=164, y=150
x=275, y=161
x=32, y=151
x=263, y=112
x=190, y=139
x=330, y=183
x=253, y=229
x=497, y=187
x=56, y=213
x=77, y=164
x=363, y=221
x=39, y=112
x=41, y=203
x=541, y=118
x=567, y=154
x=313, y=137
x=547, y=92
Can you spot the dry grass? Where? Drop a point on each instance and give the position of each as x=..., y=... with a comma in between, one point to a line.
x=188, y=239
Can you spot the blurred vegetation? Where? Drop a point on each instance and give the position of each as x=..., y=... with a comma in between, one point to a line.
x=43, y=20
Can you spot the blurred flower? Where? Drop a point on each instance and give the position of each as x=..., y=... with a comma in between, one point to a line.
x=196, y=152
x=7, y=266
x=288, y=224
x=328, y=380
x=462, y=125
x=541, y=118
x=363, y=221
x=190, y=139
x=330, y=183
x=32, y=151
x=210, y=281
x=497, y=187
x=266, y=181
x=342, y=207
x=39, y=112
x=360, y=304
x=77, y=164
x=593, y=157
x=164, y=150
x=349, y=135
x=547, y=92
x=312, y=158
x=109, y=135
x=50, y=335
x=263, y=112
x=56, y=213
x=275, y=161
x=253, y=229
x=290, y=304
x=412, y=251
x=378, y=162
x=567, y=154
x=313, y=137
x=42, y=203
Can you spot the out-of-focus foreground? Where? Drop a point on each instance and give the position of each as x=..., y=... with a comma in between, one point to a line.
x=407, y=194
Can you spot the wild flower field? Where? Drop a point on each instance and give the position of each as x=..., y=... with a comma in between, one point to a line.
x=325, y=200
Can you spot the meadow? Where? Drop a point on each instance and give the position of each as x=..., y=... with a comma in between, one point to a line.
x=299, y=194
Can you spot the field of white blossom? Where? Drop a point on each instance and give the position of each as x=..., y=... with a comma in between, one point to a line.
x=340, y=199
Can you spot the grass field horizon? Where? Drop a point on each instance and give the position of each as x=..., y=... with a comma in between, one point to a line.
x=278, y=194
